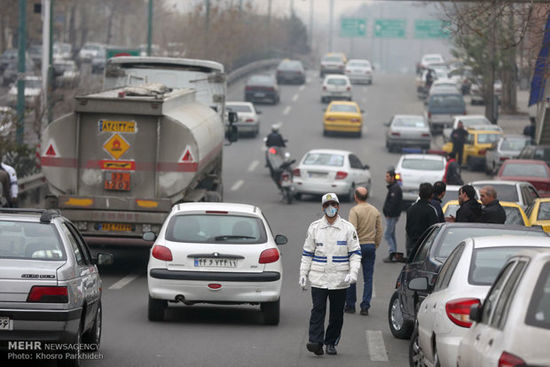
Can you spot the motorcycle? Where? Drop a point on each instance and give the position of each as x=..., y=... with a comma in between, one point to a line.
x=284, y=178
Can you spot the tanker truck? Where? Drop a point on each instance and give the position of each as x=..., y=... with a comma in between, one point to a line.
x=124, y=157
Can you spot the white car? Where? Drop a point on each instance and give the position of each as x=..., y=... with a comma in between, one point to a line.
x=215, y=253
x=512, y=328
x=33, y=90
x=89, y=51
x=414, y=169
x=327, y=170
x=431, y=59
x=359, y=71
x=464, y=280
x=336, y=87
x=471, y=122
x=248, y=121
x=521, y=192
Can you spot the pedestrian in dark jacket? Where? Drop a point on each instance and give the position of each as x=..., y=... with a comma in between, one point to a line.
x=492, y=211
x=470, y=209
x=392, y=211
x=420, y=216
x=452, y=171
x=439, y=190
x=458, y=138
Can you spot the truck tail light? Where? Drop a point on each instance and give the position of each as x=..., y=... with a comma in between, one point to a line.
x=509, y=360
x=296, y=172
x=269, y=256
x=162, y=253
x=458, y=310
x=340, y=175
x=48, y=294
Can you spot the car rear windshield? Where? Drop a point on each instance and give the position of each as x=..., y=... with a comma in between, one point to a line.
x=505, y=192
x=487, y=138
x=260, y=79
x=409, y=122
x=239, y=108
x=337, y=81
x=290, y=65
x=30, y=241
x=452, y=102
x=487, y=262
x=526, y=170
x=324, y=159
x=343, y=108
x=513, y=215
x=216, y=228
x=514, y=144
x=332, y=58
x=475, y=122
x=538, y=313
x=453, y=236
x=544, y=211
x=422, y=164
x=364, y=64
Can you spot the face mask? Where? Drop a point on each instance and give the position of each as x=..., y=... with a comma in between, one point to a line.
x=330, y=211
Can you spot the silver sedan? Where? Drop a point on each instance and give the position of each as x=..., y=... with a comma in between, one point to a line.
x=408, y=130
x=507, y=147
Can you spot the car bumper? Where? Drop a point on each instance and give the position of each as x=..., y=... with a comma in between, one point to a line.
x=235, y=287
x=410, y=193
x=476, y=160
x=336, y=95
x=409, y=142
x=355, y=128
x=253, y=97
x=247, y=128
x=332, y=71
x=360, y=78
x=320, y=188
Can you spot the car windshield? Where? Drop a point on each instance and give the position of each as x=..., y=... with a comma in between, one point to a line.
x=514, y=144
x=239, y=108
x=216, y=228
x=337, y=81
x=487, y=138
x=538, y=313
x=453, y=236
x=422, y=164
x=409, y=122
x=30, y=241
x=324, y=159
x=544, y=211
x=525, y=170
x=332, y=58
x=475, y=121
x=504, y=192
x=343, y=108
x=487, y=262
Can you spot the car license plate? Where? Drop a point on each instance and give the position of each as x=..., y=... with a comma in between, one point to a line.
x=117, y=181
x=316, y=174
x=215, y=263
x=6, y=323
x=116, y=227
x=259, y=95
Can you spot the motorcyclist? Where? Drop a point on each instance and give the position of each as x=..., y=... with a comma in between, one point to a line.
x=274, y=138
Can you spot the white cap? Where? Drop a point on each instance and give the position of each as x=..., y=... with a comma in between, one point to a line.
x=329, y=197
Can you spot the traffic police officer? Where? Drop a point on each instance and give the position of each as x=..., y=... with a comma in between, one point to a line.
x=14, y=188
x=331, y=259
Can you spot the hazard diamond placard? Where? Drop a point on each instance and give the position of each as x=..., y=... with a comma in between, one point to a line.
x=187, y=156
x=116, y=146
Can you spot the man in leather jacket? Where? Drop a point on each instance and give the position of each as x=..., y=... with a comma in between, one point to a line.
x=470, y=209
x=392, y=211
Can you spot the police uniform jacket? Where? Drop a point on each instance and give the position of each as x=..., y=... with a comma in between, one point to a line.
x=14, y=189
x=331, y=251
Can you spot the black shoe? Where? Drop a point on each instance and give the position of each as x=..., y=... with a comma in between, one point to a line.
x=349, y=309
x=364, y=312
x=315, y=348
x=331, y=350
x=388, y=259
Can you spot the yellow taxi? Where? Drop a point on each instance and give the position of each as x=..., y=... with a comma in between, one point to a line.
x=476, y=145
x=539, y=213
x=514, y=212
x=343, y=116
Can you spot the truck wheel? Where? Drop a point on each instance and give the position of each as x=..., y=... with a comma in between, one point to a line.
x=271, y=312
x=156, y=307
x=399, y=327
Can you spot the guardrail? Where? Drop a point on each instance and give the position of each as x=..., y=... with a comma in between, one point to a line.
x=247, y=69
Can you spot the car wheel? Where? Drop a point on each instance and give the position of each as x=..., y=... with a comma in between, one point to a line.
x=298, y=196
x=359, y=134
x=489, y=169
x=256, y=132
x=271, y=312
x=325, y=133
x=93, y=336
x=470, y=164
x=156, y=307
x=437, y=363
x=350, y=195
x=73, y=358
x=399, y=327
x=416, y=357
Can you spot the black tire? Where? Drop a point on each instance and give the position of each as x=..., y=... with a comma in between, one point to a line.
x=271, y=312
x=74, y=358
x=470, y=164
x=416, y=357
x=399, y=327
x=155, y=310
x=325, y=133
x=93, y=336
x=298, y=196
x=359, y=134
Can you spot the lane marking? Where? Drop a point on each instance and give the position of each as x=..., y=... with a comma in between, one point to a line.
x=286, y=111
x=295, y=98
x=124, y=281
x=377, y=349
x=253, y=166
x=237, y=185
x=302, y=87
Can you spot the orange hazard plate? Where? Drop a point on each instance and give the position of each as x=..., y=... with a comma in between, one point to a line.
x=116, y=227
x=118, y=181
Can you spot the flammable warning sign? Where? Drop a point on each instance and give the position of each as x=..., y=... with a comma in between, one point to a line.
x=116, y=146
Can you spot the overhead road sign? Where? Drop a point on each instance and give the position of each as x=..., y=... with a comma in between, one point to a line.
x=390, y=28
x=431, y=28
x=353, y=27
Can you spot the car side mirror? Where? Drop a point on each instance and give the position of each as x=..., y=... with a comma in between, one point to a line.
x=418, y=284
x=475, y=313
x=104, y=259
x=149, y=236
x=366, y=166
x=280, y=239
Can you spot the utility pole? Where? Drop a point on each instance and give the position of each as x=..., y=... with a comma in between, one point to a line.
x=291, y=8
x=311, y=24
x=491, y=103
x=207, y=17
x=50, y=77
x=269, y=13
x=21, y=38
x=46, y=19
x=331, y=13
x=149, y=27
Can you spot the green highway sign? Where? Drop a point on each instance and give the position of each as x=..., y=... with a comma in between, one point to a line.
x=115, y=52
x=353, y=27
x=431, y=28
x=390, y=28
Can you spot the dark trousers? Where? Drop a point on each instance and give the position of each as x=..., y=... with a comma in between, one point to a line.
x=368, y=255
x=458, y=150
x=337, y=299
x=410, y=246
